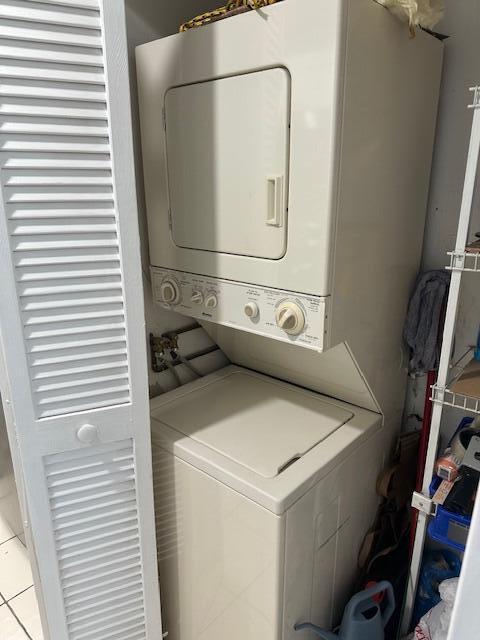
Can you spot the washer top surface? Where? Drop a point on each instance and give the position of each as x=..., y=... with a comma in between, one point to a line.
x=258, y=423
x=246, y=430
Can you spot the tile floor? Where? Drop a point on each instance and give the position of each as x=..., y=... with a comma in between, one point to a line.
x=19, y=617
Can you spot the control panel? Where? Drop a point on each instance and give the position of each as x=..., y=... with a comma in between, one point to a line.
x=283, y=315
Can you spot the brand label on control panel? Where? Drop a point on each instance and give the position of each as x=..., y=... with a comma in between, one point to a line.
x=282, y=315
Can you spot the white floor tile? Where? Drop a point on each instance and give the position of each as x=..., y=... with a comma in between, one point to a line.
x=9, y=627
x=26, y=609
x=15, y=571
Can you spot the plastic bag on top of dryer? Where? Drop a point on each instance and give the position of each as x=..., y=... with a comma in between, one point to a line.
x=422, y=13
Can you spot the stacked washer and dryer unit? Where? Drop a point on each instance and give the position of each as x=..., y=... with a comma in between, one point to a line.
x=286, y=158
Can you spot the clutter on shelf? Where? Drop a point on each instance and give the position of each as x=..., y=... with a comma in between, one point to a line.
x=438, y=565
x=448, y=464
x=468, y=383
x=454, y=487
x=434, y=624
x=474, y=247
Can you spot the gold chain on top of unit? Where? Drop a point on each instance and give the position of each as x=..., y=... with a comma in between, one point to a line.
x=231, y=8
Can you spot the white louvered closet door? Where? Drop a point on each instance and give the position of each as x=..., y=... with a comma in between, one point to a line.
x=71, y=316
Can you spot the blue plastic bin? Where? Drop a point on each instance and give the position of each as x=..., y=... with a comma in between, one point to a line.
x=450, y=529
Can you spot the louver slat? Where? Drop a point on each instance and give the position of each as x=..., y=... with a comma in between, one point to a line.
x=57, y=161
x=53, y=127
x=17, y=106
x=20, y=30
x=92, y=616
x=81, y=4
x=50, y=16
x=65, y=144
x=19, y=88
x=54, y=71
x=50, y=53
x=101, y=577
x=56, y=176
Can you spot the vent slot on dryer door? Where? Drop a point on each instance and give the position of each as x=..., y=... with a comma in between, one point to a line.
x=227, y=156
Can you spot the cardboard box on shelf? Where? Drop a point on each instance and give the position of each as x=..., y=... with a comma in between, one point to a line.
x=468, y=384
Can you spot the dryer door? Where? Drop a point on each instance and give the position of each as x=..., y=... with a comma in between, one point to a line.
x=227, y=158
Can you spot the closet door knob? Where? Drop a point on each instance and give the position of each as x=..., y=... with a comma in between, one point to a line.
x=87, y=433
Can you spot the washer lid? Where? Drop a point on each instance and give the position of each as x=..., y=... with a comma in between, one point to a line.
x=259, y=423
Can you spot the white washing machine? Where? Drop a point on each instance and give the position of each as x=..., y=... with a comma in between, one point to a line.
x=263, y=493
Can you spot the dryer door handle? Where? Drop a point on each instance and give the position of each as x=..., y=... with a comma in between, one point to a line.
x=276, y=201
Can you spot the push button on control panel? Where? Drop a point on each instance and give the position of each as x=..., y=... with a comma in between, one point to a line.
x=251, y=310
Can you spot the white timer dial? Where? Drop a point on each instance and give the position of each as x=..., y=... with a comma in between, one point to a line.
x=169, y=291
x=290, y=318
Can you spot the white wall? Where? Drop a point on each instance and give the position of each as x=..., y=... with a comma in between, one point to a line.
x=10, y=516
x=461, y=70
x=148, y=20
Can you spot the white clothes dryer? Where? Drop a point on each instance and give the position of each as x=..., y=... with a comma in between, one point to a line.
x=286, y=157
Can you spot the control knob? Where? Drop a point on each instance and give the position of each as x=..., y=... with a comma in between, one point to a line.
x=290, y=318
x=169, y=291
x=211, y=301
x=196, y=297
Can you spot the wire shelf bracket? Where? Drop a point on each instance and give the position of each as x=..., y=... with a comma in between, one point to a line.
x=448, y=398
x=423, y=504
x=464, y=261
x=476, y=97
